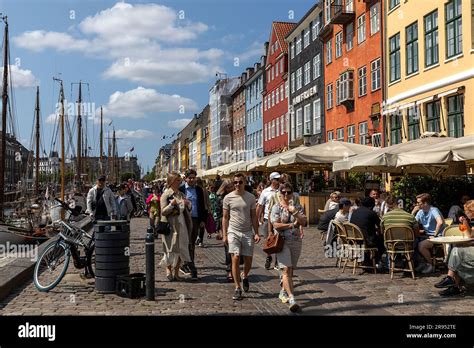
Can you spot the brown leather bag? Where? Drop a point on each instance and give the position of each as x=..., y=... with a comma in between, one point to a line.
x=273, y=244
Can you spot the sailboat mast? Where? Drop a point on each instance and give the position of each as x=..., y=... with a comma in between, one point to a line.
x=79, y=135
x=114, y=160
x=63, y=157
x=37, y=140
x=4, y=116
x=101, y=140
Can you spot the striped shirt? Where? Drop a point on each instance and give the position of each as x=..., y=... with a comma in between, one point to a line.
x=400, y=217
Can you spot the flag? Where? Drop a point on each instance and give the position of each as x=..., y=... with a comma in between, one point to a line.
x=133, y=148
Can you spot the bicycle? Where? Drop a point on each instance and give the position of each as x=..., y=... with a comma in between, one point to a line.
x=53, y=262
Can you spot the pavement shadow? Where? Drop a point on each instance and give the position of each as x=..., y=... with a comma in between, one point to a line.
x=321, y=281
x=308, y=303
x=315, y=267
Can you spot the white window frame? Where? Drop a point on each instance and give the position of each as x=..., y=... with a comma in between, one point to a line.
x=276, y=68
x=317, y=116
x=298, y=45
x=293, y=125
x=375, y=18
x=362, y=80
x=375, y=74
x=282, y=124
x=349, y=5
x=329, y=96
x=363, y=131
x=307, y=72
x=299, y=78
x=315, y=28
x=340, y=134
x=292, y=50
x=299, y=123
x=282, y=96
x=361, y=31
x=347, y=86
x=277, y=127
x=273, y=128
x=339, y=40
x=349, y=36
x=351, y=133
x=293, y=81
x=327, y=11
x=277, y=96
x=307, y=120
x=316, y=66
x=330, y=135
x=306, y=38
x=328, y=51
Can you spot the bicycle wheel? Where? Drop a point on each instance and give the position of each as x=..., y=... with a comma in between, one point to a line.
x=90, y=254
x=51, y=266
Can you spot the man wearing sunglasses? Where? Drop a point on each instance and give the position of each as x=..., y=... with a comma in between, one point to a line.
x=240, y=231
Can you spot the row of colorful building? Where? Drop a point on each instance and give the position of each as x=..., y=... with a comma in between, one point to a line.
x=375, y=72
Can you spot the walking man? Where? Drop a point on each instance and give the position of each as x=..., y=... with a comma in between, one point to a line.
x=262, y=209
x=101, y=201
x=240, y=231
x=195, y=195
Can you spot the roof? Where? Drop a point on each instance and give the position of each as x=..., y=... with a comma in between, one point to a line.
x=281, y=30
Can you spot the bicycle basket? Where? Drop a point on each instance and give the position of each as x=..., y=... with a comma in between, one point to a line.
x=73, y=235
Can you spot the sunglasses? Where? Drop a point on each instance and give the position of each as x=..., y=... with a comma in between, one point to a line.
x=238, y=182
x=286, y=192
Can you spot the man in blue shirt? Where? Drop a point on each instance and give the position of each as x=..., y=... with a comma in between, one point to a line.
x=195, y=194
x=432, y=222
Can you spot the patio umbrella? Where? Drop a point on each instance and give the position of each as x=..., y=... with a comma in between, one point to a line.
x=319, y=155
x=235, y=167
x=384, y=159
x=217, y=170
x=261, y=163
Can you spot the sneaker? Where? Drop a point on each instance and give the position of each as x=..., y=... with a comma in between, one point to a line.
x=276, y=268
x=428, y=269
x=445, y=282
x=294, y=307
x=199, y=244
x=185, y=269
x=237, y=294
x=268, y=262
x=452, y=291
x=283, y=296
x=194, y=274
x=198, y=241
x=245, y=283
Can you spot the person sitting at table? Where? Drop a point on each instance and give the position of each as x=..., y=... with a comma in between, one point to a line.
x=369, y=223
x=398, y=216
x=432, y=221
x=455, y=210
x=461, y=259
x=343, y=214
x=333, y=201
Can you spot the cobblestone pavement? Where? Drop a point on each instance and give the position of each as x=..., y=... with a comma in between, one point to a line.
x=320, y=288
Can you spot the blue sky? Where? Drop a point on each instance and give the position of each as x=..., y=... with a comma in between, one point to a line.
x=149, y=63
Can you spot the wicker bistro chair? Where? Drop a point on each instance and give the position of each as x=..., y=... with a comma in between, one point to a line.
x=342, y=241
x=448, y=221
x=452, y=230
x=400, y=240
x=321, y=212
x=357, y=244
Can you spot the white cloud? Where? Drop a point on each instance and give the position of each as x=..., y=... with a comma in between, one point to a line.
x=21, y=78
x=179, y=123
x=139, y=102
x=134, y=33
x=139, y=133
x=52, y=119
x=254, y=51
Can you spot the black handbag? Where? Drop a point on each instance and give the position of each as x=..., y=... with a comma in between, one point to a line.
x=163, y=228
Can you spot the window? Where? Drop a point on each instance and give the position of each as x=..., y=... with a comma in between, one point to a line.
x=330, y=135
x=328, y=52
x=298, y=45
x=456, y=116
x=431, y=39
x=277, y=96
x=265, y=133
x=282, y=124
x=413, y=123
x=282, y=67
x=273, y=98
x=316, y=66
x=362, y=74
x=351, y=134
x=282, y=96
x=329, y=96
x=433, y=116
x=306, y=34
x=307, y=73
x=411, y=34
x=393, y=3
x=286, y=88
x=394, y=47
x=317, y=116
x=375, y=74
x=273, y=72
x=340, y=134
x=277, y=127
x=361, y=29
x=265, y=103
x=268, y=75
x=292, y=50
x=299, y=123
x=375, y=18
x=339, y=44
x=327, y=11
x=396, y=128
x=346, y=82
x=292, y=82
x=273, y=129
x=315, y=28
x=349, y=5
x=363, y=131
x=293, y=126
x=277, y=66
x=453, y=11
x=349, y=36
x=299, y=74
x=307, y=119
x=338, y=92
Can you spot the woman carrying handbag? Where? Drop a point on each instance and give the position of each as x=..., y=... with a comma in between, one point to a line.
x=287, y=218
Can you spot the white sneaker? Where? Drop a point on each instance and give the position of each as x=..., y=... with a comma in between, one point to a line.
x=294, y=307
x=283, y=296
x=428, y=269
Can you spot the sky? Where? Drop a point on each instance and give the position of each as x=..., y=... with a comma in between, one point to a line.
x=149, y=64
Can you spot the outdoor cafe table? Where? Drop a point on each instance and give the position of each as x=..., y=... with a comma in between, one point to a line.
x=450, y=240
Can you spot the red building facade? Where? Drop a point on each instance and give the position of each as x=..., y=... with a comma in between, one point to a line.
x=353, y=73
x=275, y=93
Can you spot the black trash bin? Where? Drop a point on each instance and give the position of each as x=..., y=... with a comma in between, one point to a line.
x=111, y=256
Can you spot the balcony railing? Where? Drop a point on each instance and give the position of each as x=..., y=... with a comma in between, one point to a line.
x=340, y=13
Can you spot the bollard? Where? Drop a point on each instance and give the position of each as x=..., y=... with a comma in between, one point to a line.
x=150, y=264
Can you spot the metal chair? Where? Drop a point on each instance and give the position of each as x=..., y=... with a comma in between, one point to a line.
x=399, y=240
x=357, y=244
x=342, y=241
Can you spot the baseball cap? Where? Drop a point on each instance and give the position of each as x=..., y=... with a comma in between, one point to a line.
x=345, y=201
x=275, y=175
x=101, y=178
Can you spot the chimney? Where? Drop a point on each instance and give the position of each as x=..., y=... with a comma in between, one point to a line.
x=265, y=46
x=249, y=72
x=243, y=77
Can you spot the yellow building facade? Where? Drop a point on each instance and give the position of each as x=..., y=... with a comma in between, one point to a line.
x=429, y=67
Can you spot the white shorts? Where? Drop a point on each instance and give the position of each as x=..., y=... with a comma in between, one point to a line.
x=290, y=254
x=241, y=243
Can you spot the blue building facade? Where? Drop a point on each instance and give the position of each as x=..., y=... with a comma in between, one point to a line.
x=254, y=111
